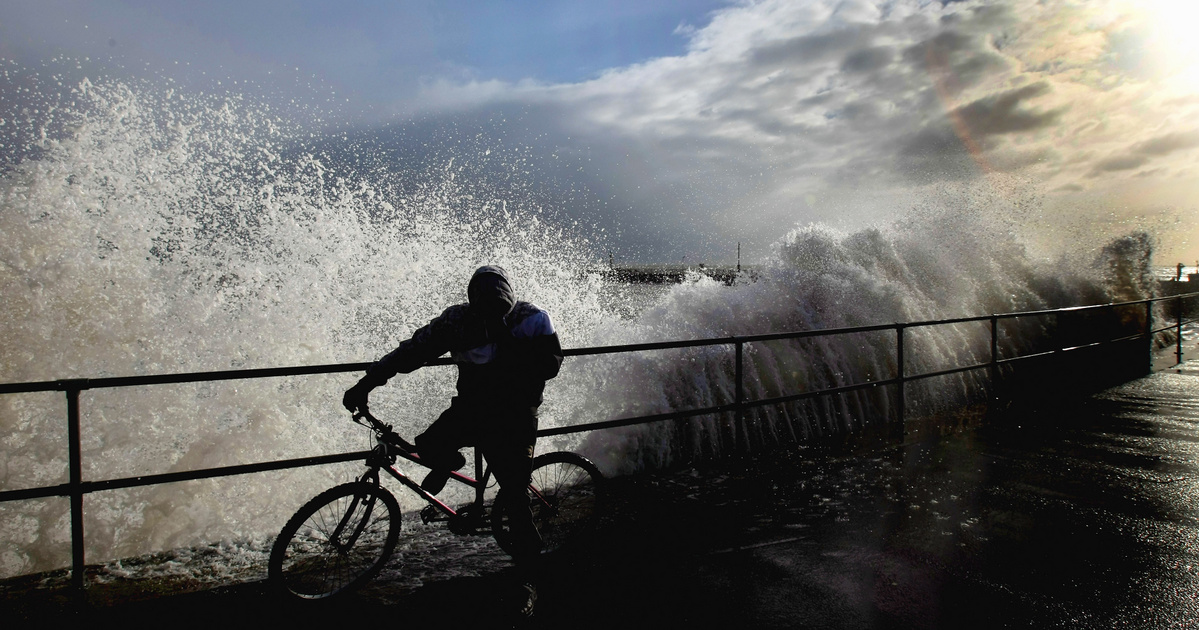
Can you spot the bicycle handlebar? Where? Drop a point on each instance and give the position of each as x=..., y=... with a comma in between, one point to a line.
x=382, y=430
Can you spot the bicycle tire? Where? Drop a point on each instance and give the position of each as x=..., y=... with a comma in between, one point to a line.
x=570, y=485
x=308, y=563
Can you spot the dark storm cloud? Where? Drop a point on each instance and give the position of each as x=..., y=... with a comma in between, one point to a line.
x=862, y=111
x=962, y=52
x=807, y=49
x=819, y=100
x=1143, y=152
x=1005, y=113
x=991, y=16
x=1118, y=163
x=958, y=61
x=868, y=59
x=1168, y=143
x=951, y=148
x=944, y=45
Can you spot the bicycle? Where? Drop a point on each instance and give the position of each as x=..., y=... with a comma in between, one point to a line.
x=341, y=538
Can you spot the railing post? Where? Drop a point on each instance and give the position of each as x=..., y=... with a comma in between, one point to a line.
x=479, y=475
x=739, y=417
x=900, y=376
x=76, y=484
x=1148, y=367
x=739, y=379
x=1178, y=349
x=994, y=369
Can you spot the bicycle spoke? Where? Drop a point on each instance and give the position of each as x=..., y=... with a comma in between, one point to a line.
x=336, y=542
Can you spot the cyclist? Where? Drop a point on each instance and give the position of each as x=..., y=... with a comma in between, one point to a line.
x=505, y=351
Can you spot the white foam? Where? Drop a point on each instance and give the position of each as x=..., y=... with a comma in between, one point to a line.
x=158, y=232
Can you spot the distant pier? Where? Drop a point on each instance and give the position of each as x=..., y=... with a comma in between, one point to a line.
x=664, y=273
x=674, y=274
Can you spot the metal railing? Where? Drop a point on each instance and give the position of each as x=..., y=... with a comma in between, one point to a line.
x=76, y=487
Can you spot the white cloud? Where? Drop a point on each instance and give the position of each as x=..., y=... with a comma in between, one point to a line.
x=778, y=100
x=792, y=110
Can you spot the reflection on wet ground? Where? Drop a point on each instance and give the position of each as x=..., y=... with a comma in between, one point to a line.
x=1080, y=515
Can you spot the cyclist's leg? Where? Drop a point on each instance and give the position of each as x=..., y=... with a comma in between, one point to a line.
x=438, y=446
x=507, y=444
x=508, y=447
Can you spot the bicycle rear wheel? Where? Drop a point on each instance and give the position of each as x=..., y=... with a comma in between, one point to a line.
x=337, y=542
x=565, y=498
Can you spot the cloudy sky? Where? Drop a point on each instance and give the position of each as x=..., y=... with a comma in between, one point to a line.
x=692, y=125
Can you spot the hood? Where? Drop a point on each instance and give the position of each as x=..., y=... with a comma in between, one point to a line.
x=490, y=293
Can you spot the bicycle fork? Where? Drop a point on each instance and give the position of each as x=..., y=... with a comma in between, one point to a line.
x=367, y=500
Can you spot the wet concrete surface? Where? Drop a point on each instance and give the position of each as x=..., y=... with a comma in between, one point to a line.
x=1079, y=514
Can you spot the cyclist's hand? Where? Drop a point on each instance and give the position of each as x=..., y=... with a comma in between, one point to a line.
x=355, y=397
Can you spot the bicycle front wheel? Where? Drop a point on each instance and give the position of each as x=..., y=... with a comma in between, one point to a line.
x=337, y=542
x=565, y=497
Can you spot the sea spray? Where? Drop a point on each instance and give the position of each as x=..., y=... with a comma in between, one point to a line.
x=156, y=232
x=932, y=266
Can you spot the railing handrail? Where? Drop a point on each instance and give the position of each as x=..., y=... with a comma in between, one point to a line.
x=76, y=487
x=62, y=385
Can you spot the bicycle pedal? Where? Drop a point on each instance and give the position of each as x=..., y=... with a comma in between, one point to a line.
x=429, y=514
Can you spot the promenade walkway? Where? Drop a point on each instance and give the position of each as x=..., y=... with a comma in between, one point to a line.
x=1073, y=514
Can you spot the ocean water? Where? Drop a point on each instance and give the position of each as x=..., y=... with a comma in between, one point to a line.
x=1170, y=273
x=147, y=230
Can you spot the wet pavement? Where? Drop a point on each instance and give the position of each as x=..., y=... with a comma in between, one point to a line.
x=1078, y=514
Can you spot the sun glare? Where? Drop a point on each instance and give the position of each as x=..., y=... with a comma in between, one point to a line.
x=1174, y=42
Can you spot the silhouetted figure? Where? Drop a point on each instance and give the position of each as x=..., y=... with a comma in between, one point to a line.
x=505, y=351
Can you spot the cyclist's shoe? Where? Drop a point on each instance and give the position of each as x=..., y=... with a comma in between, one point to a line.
x=434, y=482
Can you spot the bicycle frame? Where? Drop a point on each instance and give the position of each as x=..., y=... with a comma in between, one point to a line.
x=389, y=445
x=389, y=451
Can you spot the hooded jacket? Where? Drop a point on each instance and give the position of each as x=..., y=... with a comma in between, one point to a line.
x=505, y=349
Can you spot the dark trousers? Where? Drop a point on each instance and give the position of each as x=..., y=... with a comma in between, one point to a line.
x=506, y=436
